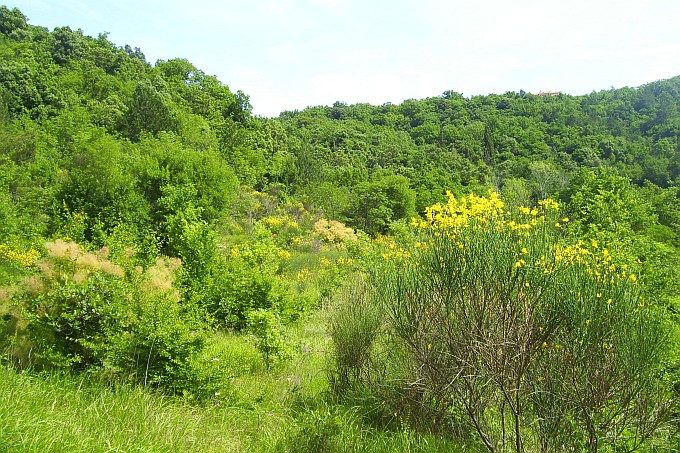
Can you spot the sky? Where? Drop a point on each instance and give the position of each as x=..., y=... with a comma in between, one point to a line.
x=290, y=54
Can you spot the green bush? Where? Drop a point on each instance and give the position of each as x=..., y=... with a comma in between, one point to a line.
x=211, y=371
x=269, y=337
x=247, y=279
x=83, y=313
x=354, y=328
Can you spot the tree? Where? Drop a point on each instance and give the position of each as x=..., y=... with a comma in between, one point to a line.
x=605, y=202
x=381, y=202
x=546, y=178
x=12, y=22
x=150, y=110
x=68, y=44
x=100, y=188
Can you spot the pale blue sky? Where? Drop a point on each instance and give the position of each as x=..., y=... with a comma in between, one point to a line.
x=289, y=54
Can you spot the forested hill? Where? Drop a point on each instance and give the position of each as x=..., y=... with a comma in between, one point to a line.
x=444, y=274
x=91, y=128
x=513, y=141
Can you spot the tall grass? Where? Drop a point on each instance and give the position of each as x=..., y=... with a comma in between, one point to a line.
x=287, y=408
x=57, y=413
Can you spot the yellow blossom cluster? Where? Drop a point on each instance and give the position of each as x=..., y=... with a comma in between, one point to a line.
x=395, y=253
x=599, y=262
x=303, y=275
x=459, y=216
x=274, y=221
x=27, y=258
x=520, y=228
x=283, y=254
x=280, y=221
x=339, y=262
x=457, y=213
x=342, y=261
x=549, y=203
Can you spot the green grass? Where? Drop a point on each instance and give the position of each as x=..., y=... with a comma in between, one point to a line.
x=59, y=413
x=285, y=409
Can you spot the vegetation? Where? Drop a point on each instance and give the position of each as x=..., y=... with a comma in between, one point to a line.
x=493, y=273
x=498, y=326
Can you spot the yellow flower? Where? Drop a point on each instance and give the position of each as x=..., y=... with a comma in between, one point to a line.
x=549, y=203
x=27, y=259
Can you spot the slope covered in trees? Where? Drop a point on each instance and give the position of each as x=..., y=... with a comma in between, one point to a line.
x=525, y=145
x=145, y=213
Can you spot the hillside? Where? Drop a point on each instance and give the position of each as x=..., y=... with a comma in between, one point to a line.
x=155, y=234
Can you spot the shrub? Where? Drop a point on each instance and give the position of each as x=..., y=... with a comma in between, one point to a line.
x=84, y=314
x=269, y=338
x=532, y=342
x=248, y=280
x=334, y=231
x=355, y=325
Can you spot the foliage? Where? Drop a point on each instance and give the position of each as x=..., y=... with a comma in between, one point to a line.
x=380, y=202
x=146, y=165
x=269, y=337
x=355, y=324
x=247, y=280
x=84, y=313
x=333, y=231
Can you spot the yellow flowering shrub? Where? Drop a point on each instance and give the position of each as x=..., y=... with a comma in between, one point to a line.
x=508, y=326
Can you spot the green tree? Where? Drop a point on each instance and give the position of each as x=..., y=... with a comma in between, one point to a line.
x=67, y=44
x=99, y=185
x=380, y=202
x=12, y=22
x=150, y=110
x=603, y=201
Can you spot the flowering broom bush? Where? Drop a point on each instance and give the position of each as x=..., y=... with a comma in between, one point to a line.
x=527, y=341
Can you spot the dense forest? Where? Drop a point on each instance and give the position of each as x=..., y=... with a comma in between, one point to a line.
x=334, y=279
